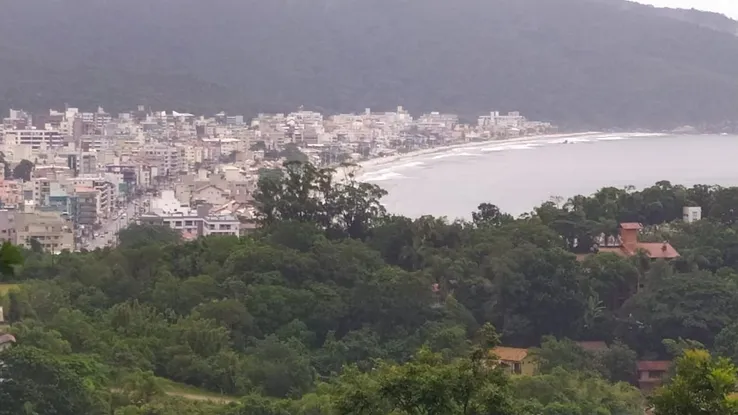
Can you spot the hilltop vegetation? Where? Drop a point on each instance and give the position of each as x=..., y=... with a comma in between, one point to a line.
x=336, y=307
x=579, y=63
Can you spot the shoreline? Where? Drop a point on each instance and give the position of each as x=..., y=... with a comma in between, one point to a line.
x=382, y=161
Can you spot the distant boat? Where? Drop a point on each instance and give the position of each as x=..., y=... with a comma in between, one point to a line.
x=724, y=134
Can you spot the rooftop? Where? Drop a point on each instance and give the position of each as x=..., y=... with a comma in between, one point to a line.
x=510, y=354
x=653, y=365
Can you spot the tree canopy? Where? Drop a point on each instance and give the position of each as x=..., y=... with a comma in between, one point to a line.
x=334, y=306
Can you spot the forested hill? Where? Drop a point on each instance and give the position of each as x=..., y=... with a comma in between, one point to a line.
x=581, y=63
x=709, y=20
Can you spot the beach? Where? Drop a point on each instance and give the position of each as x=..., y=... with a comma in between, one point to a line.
x=383, y=161
x=519, y=174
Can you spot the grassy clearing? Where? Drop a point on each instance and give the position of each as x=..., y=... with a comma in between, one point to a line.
x=190, y=392
x=4, y=288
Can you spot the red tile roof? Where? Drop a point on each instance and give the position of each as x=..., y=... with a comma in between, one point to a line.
x=510, y=354
x=653, y=365
x=658, y=250
x=593, y=346
x=631, y=226
x=655, y=250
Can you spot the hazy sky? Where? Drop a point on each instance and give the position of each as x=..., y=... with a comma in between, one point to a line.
x=728, y=7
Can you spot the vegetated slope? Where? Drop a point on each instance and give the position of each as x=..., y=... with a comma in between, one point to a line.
x=580, y=63
x=715, y=21
x=710, y=20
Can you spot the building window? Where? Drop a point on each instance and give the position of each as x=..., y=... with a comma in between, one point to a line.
x=517, y=369
x=178, y=223
x=188, y=223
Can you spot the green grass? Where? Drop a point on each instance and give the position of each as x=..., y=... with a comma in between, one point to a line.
x=190, y=392
x=4, y=288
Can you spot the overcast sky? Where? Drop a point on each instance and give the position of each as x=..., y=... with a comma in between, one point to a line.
x=728, y=7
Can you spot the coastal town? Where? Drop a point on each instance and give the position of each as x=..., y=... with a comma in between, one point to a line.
x=72, y=179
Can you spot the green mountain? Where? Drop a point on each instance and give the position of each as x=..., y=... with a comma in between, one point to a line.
x=580, y=63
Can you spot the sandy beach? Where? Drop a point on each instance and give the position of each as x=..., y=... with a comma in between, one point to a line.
x=382, y=161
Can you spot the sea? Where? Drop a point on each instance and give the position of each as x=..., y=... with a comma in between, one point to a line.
x=521, y=174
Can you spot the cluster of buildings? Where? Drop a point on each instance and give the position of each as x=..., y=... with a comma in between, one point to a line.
x=521, y=362
x=68, y=173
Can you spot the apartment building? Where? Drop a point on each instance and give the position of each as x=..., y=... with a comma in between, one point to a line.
x=169, y=159
x=36, y=139
x=85, y=206
x=50, y=229
x=7, y=226
x=193, y=224
x=106, y=192
x=11, y=193
x=40, y=190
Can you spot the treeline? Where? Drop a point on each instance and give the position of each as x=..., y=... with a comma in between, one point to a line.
x=335, y=307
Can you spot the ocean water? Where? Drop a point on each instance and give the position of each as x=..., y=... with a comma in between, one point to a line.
x=519, y=175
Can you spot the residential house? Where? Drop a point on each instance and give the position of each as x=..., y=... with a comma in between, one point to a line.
x=629, y=245
x=651, y=374
x=210, y=194
x=516, y=361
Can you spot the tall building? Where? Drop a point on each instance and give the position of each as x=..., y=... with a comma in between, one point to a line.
x=36, y=139
x=49, y=229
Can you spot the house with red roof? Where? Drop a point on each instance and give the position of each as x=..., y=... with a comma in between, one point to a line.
x=651, y=374
x=629, y=244
x=516, y=361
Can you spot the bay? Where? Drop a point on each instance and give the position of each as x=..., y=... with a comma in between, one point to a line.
x=517, y=176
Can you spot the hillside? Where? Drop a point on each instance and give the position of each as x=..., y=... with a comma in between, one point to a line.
x=581, y=63
x=715, y=21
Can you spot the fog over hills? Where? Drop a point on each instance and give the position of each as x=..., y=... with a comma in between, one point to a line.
x=581, y=63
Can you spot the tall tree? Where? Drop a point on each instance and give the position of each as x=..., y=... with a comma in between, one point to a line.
x=35, y=382
x=702, y=385
x=23, y=170
x=306, y=193
x=429, y=385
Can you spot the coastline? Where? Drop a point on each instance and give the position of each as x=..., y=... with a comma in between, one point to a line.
x=382, y=161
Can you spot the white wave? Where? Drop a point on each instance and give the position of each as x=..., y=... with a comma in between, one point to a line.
x=511, y=147
x=453, y=154
x=376, y=177
x=628, y=136
x=569, y=141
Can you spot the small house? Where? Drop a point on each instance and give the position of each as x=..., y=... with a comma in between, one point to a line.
x=651, y=374
x=629, y=244
x=516, y=361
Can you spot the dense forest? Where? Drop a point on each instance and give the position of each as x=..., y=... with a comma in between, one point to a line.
x=578, y=63
x=335, y=306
